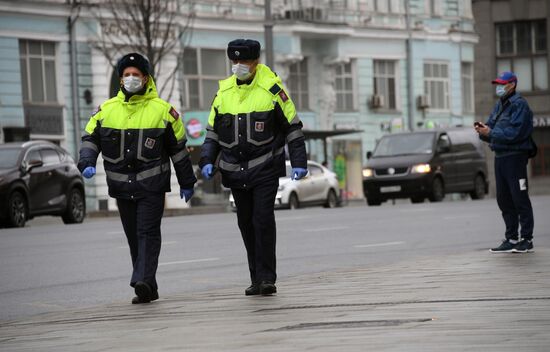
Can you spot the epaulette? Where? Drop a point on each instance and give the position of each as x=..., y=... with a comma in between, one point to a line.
x=275, y=89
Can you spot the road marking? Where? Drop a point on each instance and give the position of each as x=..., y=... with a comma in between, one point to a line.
x=190, y=261
x=327, y=229
x=167, y=243
x=379, y=244
x=455, y=217
x=295, y=218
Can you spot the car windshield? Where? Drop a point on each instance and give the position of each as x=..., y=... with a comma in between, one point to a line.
x=404, y=144
x=9, y=157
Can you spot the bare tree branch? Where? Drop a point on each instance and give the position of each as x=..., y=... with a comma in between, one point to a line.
x=151, y=27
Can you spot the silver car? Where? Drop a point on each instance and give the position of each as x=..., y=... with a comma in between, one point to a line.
x=319, y=187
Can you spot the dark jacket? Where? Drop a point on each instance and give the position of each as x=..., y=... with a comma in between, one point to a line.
x=511, y=124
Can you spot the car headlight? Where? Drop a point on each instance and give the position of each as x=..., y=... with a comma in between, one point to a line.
x=421, y=169
x=367, y=173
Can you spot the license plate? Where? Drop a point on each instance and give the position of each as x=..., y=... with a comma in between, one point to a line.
x=390, y=189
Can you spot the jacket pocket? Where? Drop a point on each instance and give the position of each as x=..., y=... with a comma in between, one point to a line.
x=227, y=129
x=112, y=144
x=150, y=144
x=260, y=127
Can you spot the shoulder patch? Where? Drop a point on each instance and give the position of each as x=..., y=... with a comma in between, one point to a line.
x=275, y=89
x=283, y=96
x=98, y=109
x=174, y=113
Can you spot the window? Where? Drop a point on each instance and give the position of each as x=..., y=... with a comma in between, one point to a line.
x=540, y=164
x=385, y=83
x=38, y=78
x=314, y=170
x=49, y=157
x=298, y=85
x=433, y=7
x=521, y=47
x=202, y=69
x=467, y=87
x=345, y=96
x=436, y=85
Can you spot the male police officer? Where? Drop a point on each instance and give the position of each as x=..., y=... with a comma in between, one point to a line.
x=508, y=130
x=137, y=133
x=251, y=119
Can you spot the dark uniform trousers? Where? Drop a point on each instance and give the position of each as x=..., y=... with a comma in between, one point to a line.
x=256, y=219
x=512, y=195
x=141, y=220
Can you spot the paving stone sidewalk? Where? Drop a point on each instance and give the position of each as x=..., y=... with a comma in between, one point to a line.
x=474, y=301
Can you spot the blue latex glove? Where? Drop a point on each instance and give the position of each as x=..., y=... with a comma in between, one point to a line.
x=88, y=172
x=298, y=173
x=207, y=171
x=186, y=193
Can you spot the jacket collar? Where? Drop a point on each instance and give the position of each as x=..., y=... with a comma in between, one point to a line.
x=150, y=93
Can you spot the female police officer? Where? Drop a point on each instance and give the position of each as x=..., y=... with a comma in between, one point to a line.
x=251, y=119
x=137, y=132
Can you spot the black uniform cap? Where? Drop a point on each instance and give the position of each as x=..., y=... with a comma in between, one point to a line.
x=133, y=60
x=243, y=49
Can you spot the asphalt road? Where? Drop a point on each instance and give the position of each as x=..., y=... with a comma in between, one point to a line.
x=49, y=266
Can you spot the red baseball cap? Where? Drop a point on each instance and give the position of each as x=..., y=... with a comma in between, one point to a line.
x=505, y=78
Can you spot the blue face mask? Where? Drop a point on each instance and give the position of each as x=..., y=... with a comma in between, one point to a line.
x=500, y=90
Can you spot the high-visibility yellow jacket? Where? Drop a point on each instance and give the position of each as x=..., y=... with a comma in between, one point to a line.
x=137, y=134
x=248, y=127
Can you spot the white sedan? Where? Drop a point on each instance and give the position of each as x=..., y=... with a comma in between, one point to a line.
x=319, y=187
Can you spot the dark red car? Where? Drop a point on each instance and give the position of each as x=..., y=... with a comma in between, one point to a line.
x=39, y=178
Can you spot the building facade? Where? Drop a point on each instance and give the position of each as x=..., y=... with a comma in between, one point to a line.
x=370, y=66
x=513, y=35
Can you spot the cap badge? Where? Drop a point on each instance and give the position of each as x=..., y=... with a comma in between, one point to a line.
x=237, y=53
x=131, y=57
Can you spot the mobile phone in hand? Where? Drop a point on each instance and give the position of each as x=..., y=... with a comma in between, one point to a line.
x=478, y=124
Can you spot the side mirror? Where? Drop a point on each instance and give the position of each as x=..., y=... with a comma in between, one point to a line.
x=34, y=163
x=369, y=155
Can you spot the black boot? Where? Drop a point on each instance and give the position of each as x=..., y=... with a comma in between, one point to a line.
x=267, y=288
x=252, y=290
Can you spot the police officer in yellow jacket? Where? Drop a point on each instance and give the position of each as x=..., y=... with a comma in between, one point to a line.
x=251, y=120
x=137, y=133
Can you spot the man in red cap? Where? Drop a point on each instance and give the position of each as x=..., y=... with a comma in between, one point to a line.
x=508, y=131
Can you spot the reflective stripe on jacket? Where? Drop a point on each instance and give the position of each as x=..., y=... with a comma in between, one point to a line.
x=137, y=138
x=248, y=127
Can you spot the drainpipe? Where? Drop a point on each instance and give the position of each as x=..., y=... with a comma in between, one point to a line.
x=268, y=34
x=410, y=93
x=74, y=77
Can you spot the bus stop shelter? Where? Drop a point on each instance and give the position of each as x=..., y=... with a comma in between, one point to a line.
x=324, y=134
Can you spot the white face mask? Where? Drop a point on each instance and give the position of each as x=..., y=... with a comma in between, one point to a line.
x=242, y=71
x=132, y=84
x=501, y=90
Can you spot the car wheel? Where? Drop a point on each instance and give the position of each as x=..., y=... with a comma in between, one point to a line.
x=293, y=202
x=332, y=200
x=18, y=210
x=438, y=191
x=76, y=207
x=479, y=188
x=416, y=200
x=373, y=201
